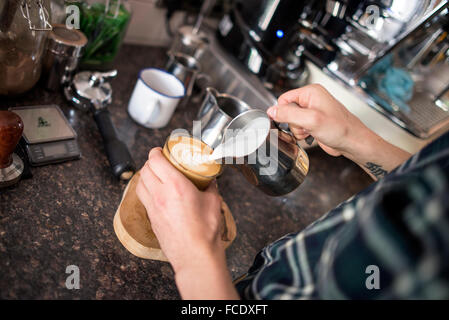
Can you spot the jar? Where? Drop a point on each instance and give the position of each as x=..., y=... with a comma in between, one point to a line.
x=104, y=23
x=64, y=49
x=24, y=26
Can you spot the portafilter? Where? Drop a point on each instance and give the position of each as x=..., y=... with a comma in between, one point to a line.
x=91, y=91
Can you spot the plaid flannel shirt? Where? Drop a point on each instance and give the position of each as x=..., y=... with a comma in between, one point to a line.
x=390, y=241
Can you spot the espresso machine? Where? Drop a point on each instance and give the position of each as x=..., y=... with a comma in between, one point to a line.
x=393, y=54
x=258, y=33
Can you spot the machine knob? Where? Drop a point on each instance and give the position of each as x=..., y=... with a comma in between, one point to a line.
x=11, y=128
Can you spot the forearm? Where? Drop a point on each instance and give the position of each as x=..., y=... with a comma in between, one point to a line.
x=375, y=155
x=207, y=278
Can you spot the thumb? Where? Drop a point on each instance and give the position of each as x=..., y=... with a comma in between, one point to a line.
x=295, y=115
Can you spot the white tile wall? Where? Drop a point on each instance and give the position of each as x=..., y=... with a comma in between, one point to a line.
x=147, y=24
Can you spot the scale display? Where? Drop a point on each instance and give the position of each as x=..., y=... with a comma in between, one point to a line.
x=54, y=150
x=48, y=135
x=44, y=124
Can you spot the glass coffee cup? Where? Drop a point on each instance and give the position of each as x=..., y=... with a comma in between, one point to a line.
x=189, y=156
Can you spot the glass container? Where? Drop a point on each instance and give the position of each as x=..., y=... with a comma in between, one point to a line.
x=24, y=26
x=104, y=23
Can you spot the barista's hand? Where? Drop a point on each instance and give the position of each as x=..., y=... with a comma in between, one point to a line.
x=312, y=110
x=185, y=220
x=187, y=223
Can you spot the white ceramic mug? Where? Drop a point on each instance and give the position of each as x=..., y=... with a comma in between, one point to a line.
x=155, y=97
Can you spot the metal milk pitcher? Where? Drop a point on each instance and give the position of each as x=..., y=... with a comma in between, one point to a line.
x=185, y=68
x=215, y=114
x=277, y=167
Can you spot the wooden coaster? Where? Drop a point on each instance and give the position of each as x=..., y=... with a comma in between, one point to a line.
x=133, y=228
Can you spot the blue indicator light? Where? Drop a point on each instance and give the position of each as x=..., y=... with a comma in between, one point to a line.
x=279, y=33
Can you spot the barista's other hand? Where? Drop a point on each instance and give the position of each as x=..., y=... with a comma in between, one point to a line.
x=186, y=221
x=312, y=110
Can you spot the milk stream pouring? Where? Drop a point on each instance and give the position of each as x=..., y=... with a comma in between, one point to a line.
x=236, y=144
x=280, y=164
x=243, y=142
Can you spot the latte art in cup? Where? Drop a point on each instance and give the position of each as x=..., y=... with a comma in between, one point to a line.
x=191, y=157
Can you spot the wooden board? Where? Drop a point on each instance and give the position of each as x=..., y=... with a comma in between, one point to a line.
x=133, y=228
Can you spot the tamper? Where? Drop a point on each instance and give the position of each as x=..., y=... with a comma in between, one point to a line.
x=11, y=166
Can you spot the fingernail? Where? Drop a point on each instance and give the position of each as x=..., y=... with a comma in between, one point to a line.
x=272, y=112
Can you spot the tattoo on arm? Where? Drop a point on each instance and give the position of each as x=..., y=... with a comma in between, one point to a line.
x=376, y=170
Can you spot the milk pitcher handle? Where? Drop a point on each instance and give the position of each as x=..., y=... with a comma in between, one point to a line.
x=309, y=140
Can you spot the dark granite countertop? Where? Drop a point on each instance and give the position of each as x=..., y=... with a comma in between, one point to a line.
x=63, y=215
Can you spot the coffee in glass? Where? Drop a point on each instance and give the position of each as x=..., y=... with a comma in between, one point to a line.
x=190, y=156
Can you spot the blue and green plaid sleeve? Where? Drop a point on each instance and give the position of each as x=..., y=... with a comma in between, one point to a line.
x=390, y=241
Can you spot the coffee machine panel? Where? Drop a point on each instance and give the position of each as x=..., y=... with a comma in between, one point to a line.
x=258, y=33
x=394, y=54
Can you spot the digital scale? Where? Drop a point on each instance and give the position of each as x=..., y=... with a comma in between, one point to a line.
x=48, y=136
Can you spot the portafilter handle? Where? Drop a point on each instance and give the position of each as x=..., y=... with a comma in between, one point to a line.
x=99, y=77
x=119, y=158
x=90, y=90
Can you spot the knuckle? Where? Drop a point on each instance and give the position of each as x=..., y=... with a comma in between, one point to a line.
x=160, y=201
x=279, y=114
x=151, y=153
x=215, y=217
x=316, y=118
x=139, y=189
x=317, y=87
x=178, y=187
x=154, y=154
x=216, y=225
x=284, y=113
x=154, y=164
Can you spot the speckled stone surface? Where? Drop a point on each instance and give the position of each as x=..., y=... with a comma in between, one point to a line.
x=63, y=215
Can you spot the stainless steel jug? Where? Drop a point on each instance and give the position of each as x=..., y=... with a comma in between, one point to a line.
x=215, y=114
x=183, y=67
x=277, y=167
